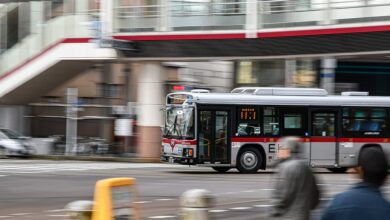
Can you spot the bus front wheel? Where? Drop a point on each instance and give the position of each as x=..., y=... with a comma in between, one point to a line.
x=338, y=170
x=221, y=169
x=249, y=160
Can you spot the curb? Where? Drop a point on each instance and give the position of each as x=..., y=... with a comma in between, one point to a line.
x=94, y=158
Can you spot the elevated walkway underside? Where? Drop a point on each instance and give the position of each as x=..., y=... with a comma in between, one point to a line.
x=49, y=69
x=337, y=42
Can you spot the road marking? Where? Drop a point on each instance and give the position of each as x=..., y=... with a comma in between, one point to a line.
x=21, y=214
x=6, y=216
x=218, y=210
x=228, y=193
x=3, y=175
x=265, y=189
x=47, y=167
x=162, y=216
x=164, y=199
x=248, y=191
x=56, y=210
x=262, y=206
x=58, y=215
x=142, y=202
x=240, y=208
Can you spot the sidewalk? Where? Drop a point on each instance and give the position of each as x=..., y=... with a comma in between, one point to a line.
x=96, y=158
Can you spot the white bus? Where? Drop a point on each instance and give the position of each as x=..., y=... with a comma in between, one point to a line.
x=241, y=129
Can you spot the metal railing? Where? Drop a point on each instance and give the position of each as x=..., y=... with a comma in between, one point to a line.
x=179, y=15
x=51, y=32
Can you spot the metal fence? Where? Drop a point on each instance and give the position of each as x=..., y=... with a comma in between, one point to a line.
x=184, y=15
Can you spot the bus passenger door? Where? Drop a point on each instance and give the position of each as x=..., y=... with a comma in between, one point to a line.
x=323, y=138
x=213, y=136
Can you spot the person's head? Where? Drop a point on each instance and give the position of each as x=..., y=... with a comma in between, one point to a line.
x=288, y=146
x=373, y=165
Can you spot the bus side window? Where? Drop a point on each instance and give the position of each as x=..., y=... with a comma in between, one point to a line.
x=248, y=122
x=271, y=121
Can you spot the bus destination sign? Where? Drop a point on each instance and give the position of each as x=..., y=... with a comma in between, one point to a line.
x=248, y=114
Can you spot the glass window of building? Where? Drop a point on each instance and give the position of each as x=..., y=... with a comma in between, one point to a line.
x=260, y=73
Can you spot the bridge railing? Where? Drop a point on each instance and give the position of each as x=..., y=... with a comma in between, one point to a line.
x=201, y=15
x=55, y=30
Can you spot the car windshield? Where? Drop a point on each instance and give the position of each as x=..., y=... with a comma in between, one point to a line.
x=179, y=123
x=10, y=134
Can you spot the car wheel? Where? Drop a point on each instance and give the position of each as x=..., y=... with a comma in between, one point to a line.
x=249, y=160
x=221, y=169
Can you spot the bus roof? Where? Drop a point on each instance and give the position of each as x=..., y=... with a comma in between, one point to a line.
x=252, y=99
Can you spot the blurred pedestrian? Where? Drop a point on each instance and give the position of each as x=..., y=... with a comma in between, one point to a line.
x=364, y=200
x=296, y=191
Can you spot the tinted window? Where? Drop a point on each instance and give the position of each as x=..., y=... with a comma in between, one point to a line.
x=248, y=121
x=364, y=121
x=271, y=121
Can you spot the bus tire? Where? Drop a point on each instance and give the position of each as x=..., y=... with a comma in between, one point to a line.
x=249, y=160
x=338, y=170
x=221, y=169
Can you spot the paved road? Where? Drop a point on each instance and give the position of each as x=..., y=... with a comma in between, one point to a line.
x=36, y=189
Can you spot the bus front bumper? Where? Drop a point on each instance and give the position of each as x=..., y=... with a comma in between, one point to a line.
x=177, y=160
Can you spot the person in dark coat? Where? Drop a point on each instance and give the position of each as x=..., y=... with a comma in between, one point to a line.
x=296, y=191
x=364, y=200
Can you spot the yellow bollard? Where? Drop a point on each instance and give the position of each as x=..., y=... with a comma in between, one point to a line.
x=114, y=199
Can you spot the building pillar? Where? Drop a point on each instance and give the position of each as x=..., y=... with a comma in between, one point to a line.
x=3, y=28
x=165, y=16
x=81, y=6
x=151, y=97
x=106, y=18
x=327, y=74
x=36, y=16
x=251, y=19
x=290, y=70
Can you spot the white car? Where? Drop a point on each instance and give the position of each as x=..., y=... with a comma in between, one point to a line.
x=13, y=143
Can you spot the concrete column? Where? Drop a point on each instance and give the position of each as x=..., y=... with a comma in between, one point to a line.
x=251, y=19
x=24, y=21
x=165, y=15
x=290, y=69
x=81, y=6
x=36, y=16
x=107, y=17
x=151, y=97
x=3, y=28
x=327, y=19
x=327, y=75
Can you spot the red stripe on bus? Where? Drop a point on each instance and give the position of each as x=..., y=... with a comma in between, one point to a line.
x=314, y=139
x=175, y=141
x=249, y=139
x=364, y=140
x=323, y=139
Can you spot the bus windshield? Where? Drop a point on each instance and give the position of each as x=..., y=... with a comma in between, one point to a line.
x=179, y=123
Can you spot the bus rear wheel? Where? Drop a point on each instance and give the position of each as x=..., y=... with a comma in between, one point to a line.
x=338, y=170
x=249, y=160
x=221, y=169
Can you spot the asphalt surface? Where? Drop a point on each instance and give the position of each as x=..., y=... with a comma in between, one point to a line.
x=40, y=189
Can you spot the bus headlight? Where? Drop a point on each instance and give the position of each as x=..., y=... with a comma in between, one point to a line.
x=188, y=152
